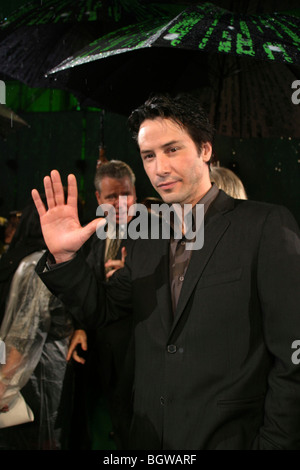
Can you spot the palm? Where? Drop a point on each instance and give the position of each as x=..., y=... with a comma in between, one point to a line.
x=61, y=228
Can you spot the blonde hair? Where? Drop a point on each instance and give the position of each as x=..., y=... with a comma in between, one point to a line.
x=228, y=181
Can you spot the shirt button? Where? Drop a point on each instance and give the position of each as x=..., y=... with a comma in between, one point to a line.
x=171, y=348
x=181, y=278
x=182, y=242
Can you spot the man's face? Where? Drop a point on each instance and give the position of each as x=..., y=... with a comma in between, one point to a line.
x=174, y=165
x=111, y=190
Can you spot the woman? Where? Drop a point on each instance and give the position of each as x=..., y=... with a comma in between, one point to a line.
x=36, y=331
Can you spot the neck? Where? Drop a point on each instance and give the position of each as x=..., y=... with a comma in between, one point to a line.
x=199, y=196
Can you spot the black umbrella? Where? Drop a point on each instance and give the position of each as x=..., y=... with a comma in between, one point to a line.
x=242, y=65
x=9, y=121
x=36, y=37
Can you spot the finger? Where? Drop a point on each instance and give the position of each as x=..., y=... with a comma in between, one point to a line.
x=78, y=358
x=114, y=263
x=71, y=349
x=70, y=352
x=72, y=191
x=40, y=207
x=84, y=345
x=49, y=192
x=123, y=253
x=90, y=228
x=58, y=190
x=110, y=273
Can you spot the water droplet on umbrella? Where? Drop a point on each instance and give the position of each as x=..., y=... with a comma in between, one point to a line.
x=171, y=36
x=274, y=48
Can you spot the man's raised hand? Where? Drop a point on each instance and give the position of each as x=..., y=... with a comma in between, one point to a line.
x=60, y=224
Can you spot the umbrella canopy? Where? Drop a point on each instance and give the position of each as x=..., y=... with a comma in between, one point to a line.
x=9, y=121
x=242, y=65
x=35, y=38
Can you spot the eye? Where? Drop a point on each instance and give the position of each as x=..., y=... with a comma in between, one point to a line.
x=111, y=197
x=148, y=156
x=172, y=149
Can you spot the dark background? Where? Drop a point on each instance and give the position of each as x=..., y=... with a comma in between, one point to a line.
x=66, y=137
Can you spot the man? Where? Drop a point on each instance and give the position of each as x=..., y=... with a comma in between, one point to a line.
x=108, y=346
x=213, y=327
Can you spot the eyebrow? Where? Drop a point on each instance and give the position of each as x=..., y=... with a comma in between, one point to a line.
x=167, y=144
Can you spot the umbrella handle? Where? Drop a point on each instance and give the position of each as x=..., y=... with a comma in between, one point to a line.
x=102, y=158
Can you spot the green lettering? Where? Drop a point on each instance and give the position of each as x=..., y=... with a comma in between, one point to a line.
x=182, y=28
x=268, y=46
x=294, y=36
x=225, y=46
x=208, y=33
x=244, y=44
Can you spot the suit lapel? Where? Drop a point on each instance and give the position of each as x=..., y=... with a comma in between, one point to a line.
x=215, y=227
x=162, y=286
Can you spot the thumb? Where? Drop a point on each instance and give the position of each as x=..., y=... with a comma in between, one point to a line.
x=84, y=345
x=124, y=254
x=91, y=227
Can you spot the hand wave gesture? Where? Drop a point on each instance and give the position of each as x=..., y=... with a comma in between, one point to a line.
x=60, y=224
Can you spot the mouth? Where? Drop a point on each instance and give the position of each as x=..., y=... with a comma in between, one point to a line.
x=167, y=185
x=121, y=216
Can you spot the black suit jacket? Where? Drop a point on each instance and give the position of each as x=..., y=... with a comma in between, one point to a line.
x=218, y=374
x=109, y=348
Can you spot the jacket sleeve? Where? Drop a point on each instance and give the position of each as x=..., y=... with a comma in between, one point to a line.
x=91, y=301
x=278, y=285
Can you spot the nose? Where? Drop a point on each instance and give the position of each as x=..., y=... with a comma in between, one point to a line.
x=162, y=164
x=120, y=202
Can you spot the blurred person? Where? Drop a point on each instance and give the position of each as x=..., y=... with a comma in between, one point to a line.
x=108, y=345
x=35, y=330
x=213, y=327
x=228, y=181
x=11, y=226
x=8, y=229
x=3, y=223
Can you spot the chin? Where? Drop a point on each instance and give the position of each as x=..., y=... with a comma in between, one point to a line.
x=171, y=198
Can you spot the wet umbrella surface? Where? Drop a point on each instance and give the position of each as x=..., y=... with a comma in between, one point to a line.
x=39, y=35
x=243, y=66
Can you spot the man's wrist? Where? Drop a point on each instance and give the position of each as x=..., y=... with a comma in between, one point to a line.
x=52, y=262
x=63, y=258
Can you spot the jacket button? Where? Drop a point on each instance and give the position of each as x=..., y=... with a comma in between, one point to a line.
x=171, y=348
x=162, y=400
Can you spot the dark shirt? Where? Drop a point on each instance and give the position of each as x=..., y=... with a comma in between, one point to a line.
x=180, y=256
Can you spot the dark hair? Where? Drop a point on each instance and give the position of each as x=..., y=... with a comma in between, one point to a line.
x=29, y=228
x=184, y=109
x=27, y=239
x=113, y=169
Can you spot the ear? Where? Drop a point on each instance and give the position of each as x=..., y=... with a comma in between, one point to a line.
x=206, y=151
x=134, y=194
x=98, y=197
